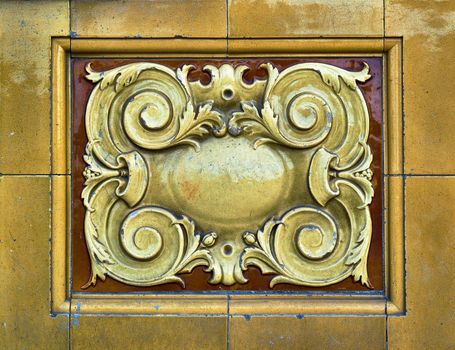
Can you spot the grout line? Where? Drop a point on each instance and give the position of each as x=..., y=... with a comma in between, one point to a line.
x=403, y=121
x=227, y=28
x=32, y=175
x=51, y=111
x=49, y=245
x=387, y=332
x=70, y=334
x=404, y=243
x=228, y=335
x=69, y=325
x=419, y=175
x=428, y=175
x=71, y=34
x=383, y=25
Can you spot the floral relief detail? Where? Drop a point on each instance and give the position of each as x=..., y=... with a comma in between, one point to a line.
x=141, y=117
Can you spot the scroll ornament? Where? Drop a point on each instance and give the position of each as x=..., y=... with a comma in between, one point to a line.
x=140, y=112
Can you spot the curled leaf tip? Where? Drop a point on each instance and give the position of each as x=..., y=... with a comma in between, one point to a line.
x=88, y=68
x=368, y=284
x=364, y=74
x=90, y=282
x=92, y=75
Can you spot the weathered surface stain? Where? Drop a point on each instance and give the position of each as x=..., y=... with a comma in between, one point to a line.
x=296, y=17
x=189, y=190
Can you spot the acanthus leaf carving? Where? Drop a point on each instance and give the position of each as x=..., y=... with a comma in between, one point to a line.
x=198, y=125
x=331, y=76
x=358, y=257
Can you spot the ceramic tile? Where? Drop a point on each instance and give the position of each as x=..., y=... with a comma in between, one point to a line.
x=25, y=46
x=307, y=333
x=148, y=332
x=276, y=18
x=430, y=238
x=141, y=19
x=428, y=29
x=25, y=318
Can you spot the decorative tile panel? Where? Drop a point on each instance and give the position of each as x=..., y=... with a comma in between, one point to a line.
x=228, y=174
x=207, y=183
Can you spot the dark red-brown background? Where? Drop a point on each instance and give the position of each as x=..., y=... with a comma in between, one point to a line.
x=198, y=280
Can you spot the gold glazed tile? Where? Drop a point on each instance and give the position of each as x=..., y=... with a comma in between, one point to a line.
x=428, y=30
x=25, y=30
x=91, y=332
x=141, y=18
x=430, y=285
x=294, y=145
x=262, y=332
x=297, y=18
x=25, y=321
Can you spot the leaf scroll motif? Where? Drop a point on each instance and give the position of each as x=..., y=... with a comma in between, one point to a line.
x=266, y=249
x=191, y=247
x=125, y=93
x=198, y=125
x=105, y=260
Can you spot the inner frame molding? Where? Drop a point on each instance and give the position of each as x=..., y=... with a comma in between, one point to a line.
x=264, y=122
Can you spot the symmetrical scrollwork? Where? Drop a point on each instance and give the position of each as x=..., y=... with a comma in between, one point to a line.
x=308, y=122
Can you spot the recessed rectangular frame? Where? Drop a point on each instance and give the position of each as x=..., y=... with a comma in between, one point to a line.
x=392, y=302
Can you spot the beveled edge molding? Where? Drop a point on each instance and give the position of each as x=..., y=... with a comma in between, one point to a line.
x=309, y=47
x=394, y=245
x=147, y=48
x=60, y=107
x=393, y=109
x=60, y=243
x=181, y=303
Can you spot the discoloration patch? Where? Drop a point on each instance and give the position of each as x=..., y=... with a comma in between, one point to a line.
x=428, y=28
x=25, y=30
x=189, y=189
x=278, y=18
x=206, y=18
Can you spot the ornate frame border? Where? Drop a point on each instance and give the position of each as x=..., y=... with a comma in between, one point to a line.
x=392, y=302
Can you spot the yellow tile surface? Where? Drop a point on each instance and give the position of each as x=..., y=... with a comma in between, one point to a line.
x=91, y=332
x=25, y=322
x=25, y=30
x=430, y=283
x=278, y=18
x=428, y=28
x=307, y=333
x=141, y=18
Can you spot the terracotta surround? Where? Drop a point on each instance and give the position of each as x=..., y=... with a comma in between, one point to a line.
x=198, y=280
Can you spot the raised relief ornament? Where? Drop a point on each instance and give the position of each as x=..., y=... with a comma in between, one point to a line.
x=227, y=175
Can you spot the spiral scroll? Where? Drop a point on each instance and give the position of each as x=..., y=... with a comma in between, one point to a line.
x=145, y=105
x=311, y=246
x=308, y=105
